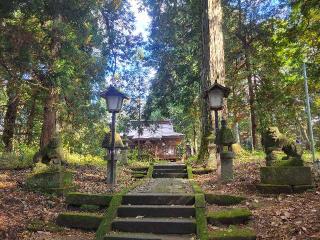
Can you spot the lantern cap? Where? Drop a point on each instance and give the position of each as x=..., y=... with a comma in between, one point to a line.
x=225, y=90
x=112, y=91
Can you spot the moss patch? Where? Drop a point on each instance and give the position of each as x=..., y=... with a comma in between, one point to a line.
x=286, y=175
x=150, y=170
x=139, y=175
x=288, y=163
x=78, y=199
x=200, y=204
x=89, y=208
x=86, y=221
x=233, y=233
x=38, y=225
x=189, y=171
x=232, y=216
x=223, y=200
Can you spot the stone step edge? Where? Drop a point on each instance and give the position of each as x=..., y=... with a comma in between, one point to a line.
x=146, y=236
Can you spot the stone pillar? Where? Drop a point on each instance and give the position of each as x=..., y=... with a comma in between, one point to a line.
x=226, y=166
x=110, y=166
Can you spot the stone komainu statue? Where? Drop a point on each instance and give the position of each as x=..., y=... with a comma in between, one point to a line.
x=51, y=153
x=225, y=136
x=273, y=140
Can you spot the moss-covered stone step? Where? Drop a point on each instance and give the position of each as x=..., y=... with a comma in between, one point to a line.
x=286, y=175
x=155, y=225
x=170, y=175
x=223, y=199
x=158, y=199
x=229, y=216
x=278, y=189
x=233, y=233
x=139, y=169
x=147, y=236
x=139, y=175
x=79, y=199
x=170, y=170
x=156, y=211
x=201, y=171
x=85, y=221
x=170, y=166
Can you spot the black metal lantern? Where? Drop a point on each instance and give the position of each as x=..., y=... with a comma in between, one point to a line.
x=114, y=99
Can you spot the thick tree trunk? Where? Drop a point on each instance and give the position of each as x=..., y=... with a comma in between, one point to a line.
x=251, y=98
x=203, y=153
x=31, y=117
x=11, y=115
x=49, y=118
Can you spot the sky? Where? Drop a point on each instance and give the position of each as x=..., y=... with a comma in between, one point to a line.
x=143, y=19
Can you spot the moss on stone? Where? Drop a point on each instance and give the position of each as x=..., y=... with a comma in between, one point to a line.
x=223, y=200
x=200, y=171
x=292, y=162
x=51, y=181
x=202, y=229
x=111, y=212
x=190, y=172
x=150, y=170
x=231, y=216
x=38, y=225
x=78, y=199
x=233, y=233
x=139, y=169
x=86, y=221
x=286, y=175
x=274, y=189
x=196, y=188
x=89, y=208
x=139, y=175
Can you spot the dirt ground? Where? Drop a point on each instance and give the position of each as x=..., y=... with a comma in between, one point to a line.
x=18, y=207
x=276, y=217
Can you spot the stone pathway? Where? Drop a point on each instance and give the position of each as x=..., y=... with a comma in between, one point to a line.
x=162, y=209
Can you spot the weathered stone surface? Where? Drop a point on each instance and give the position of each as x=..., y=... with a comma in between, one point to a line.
x=156, y=211
x=78, y=199
x=227, y=166
x=286, y=175
x=230, y=216
x=274, y=189
x=225, y=136
x=158, y=198
x=223, y=199
x=147, y=236
x=303, y=188
x=155, y=225
x=84, y=221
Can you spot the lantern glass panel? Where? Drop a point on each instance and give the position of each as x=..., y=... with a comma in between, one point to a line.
x=114, y=103
x=216, y=98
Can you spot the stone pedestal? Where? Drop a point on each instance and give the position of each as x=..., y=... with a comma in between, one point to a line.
x=226, y=166
x=124, y=157
x=111, y=168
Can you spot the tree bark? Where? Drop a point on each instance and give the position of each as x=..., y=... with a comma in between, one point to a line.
x=31, y=117
x=203, y=153
x=251, y=97
x=11, y=115
x=49, y=118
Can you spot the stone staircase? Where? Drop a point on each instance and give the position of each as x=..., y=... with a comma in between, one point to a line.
x=161, y=216
x=170, y=171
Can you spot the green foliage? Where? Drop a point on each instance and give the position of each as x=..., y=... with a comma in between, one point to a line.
x=150, y=170
x=21, y=159
x=82, y=160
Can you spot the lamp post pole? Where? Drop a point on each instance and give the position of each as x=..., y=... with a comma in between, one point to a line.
x=309, y=111
x=112, y=150
x=216, y=123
